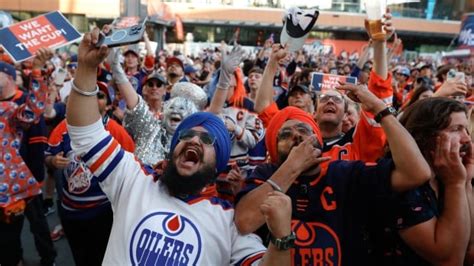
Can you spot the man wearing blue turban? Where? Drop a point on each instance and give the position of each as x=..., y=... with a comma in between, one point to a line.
x=190, y=166
x=168, y=221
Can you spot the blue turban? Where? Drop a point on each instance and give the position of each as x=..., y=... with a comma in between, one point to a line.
x=213, y=125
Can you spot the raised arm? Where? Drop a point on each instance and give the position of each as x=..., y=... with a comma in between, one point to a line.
x=380, y=48
x=108, y=163
x=443, y=240
x=122, y=82
x=364, y=56
x=229, y=63
x=397, y=44
x=405, y=152
x=264, y=96
x=31, y=111
x=82, y=110
x=248, y=217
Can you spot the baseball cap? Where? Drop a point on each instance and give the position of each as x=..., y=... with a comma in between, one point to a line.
x=174, y=59
x=72, y=65
x=155, y=76
x=188, y=69
x=104, y=88
x=296, y=26
x=131, y=50
x=301, y=87
x=8, y=69
x=404, y=71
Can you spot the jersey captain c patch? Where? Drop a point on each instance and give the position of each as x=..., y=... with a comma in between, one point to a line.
x=165, y=238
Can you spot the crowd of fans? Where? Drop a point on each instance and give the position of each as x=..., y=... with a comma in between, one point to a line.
x=374, y=173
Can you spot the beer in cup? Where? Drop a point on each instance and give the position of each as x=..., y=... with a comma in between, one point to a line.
x=375, y=10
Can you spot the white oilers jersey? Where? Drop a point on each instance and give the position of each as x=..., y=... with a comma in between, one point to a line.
x=249, y=131
x=152, y=228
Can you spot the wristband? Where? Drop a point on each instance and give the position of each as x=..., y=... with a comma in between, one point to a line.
x=274, y=185
x=85, y=93
x=387, y=111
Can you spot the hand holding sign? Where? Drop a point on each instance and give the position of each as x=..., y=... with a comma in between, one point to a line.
x=41, y=56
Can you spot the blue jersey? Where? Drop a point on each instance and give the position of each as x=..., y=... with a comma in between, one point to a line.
x=330, y=212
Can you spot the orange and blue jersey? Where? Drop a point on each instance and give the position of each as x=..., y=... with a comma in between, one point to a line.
x=330, y=211
x=82, y=197
x=23, y=132
x=367, y=140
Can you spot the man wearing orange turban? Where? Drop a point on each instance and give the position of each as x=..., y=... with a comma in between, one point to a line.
x=287, y=114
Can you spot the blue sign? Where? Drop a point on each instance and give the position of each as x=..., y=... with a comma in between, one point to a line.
x=466, y=35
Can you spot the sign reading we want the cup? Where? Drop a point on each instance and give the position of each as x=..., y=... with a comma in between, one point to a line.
x=23, y=39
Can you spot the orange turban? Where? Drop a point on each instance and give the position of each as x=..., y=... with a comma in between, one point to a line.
x=289, y=113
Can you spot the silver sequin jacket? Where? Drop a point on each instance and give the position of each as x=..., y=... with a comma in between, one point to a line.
x=152, y=143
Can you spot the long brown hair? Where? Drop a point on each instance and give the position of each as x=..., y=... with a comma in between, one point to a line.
x=426, y=118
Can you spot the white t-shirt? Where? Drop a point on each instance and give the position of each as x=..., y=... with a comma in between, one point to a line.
x=152, y=228
x=65, y=90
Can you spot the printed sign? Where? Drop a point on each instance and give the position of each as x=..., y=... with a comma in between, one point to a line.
x=125, y=22
x=23, y=39
x=466, y=35
x=324, y=82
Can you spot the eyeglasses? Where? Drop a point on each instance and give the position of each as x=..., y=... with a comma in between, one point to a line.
x=100, y=95
x=155, y=84
x=301, y=128
x=205, y=137
x=324, y=98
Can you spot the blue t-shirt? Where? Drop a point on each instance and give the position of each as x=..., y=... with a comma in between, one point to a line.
x=401, y=211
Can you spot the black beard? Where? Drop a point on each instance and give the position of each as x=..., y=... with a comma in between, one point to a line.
x=182, y=186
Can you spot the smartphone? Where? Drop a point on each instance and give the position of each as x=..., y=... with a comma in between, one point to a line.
x=121, y=37
x=454, y=75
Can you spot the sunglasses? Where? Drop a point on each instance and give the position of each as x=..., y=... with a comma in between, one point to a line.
x=205, y=137
x=301, y=128
x=154, y=84
x=324, y=98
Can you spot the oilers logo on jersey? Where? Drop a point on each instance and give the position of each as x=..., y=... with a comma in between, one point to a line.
x=316, y=244
x=78, y=176
x=165, y=238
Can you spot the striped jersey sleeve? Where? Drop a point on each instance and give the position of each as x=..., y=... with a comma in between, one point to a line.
x=247, y=249
x=105, y=158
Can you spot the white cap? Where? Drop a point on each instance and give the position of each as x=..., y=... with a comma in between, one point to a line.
x=296, y=26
